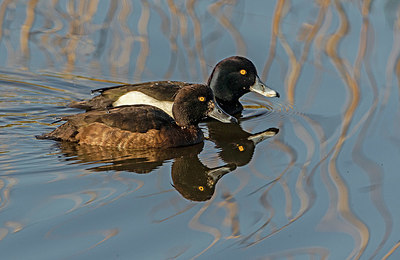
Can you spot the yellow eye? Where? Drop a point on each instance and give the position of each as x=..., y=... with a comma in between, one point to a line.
x=201, y=188
x=202, y=99
x=241, y=148
x=243, y=72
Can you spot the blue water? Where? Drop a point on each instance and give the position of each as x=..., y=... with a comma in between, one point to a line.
x=324, y=187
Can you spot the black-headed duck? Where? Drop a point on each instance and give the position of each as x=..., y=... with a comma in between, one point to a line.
x=231, y=79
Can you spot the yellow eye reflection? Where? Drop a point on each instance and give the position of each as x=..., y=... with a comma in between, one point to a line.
x=241, y=148
x=243, y=72
x=201, y=188
x=202, y=99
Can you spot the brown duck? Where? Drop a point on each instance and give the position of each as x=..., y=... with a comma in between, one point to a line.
x=144, y=126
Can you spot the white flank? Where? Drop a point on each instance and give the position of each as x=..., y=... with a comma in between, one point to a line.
x=138, y=98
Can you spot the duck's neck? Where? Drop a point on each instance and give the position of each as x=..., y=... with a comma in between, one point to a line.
x=190, y=127
x=230, y=107
x=184, y=117
x=190, y=135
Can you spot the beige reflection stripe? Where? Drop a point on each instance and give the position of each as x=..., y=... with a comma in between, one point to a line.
x=36, y=85
x=173, y=35
x=78, y=16
x=393, y=59
x=196, y=225
x=177, y=213
x=275, y=29
x=190, y=4
x=77, y=200
x=107, y=235
x=307, y=194
x=87, y=10
x=182, y=26
x=292, y=74
x=308, y=36
x=232, y=216
x=128, y=182
x=14, y=226
x=12, y=50
x=318, y=50
x=217, y=11
x=144, y=41
x=52, y=25
x=343, y=205
x=398, y=72
x=3, y=233
x=374, y=171
x=301, y=190
x=232, y=206
x=264, y=198
x=3, y=8
x=26, y=27
x=126, y=43
x=288, y=198
x=391, y=251
x=312, y=253
x=103, y=34
x=6, y=184
x=363, y=40
x=72, y=42
x=183, y=29
x=69, y=76
x=397, y=43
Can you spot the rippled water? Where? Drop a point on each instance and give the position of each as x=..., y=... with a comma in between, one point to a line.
x=324, y=187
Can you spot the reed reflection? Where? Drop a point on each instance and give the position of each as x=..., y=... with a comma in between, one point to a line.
x=118, y=36
x=126, y=41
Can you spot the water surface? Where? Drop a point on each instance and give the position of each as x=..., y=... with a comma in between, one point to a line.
x=323, y=187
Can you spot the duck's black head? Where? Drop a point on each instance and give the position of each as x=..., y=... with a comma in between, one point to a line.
x=195, y=102
x=232, y=78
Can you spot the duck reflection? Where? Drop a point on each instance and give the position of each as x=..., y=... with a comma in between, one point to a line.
x=190, y=177
x=195, y=181
x=114, y=159
x=237, y=146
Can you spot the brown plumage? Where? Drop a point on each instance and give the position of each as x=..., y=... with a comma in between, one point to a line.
x=134, y=127
x=143, y=126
